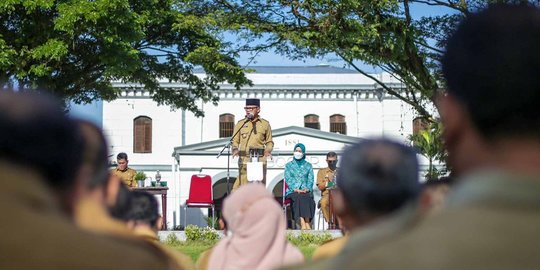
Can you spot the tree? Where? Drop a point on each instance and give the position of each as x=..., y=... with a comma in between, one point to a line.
x=382, y=33
x=429, y=143
x=77, y=48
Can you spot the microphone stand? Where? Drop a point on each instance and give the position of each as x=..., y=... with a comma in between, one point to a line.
x=228, y=147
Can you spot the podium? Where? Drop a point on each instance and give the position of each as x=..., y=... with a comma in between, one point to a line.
x=254, y=167
x=332, y=223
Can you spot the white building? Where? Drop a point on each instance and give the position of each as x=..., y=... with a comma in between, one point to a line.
x=178, y=144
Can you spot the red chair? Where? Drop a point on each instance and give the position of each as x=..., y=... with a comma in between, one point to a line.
x=201, y=195
x=285, y=202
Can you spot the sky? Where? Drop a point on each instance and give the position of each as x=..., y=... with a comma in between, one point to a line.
x=94, y=111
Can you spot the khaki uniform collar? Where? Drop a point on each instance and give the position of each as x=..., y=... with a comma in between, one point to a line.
x=328, y=169
x=127, y=169
x=258, y=118
x=146, y=234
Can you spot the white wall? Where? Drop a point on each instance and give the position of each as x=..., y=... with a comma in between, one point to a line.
x=365, y=118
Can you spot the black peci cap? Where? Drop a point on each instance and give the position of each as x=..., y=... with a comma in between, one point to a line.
x=253, y=102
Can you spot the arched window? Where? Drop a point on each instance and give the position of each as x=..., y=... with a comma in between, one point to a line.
x=338, y=124
x=142, y=134
x=419, y=123
x=226, y=125
x=312, y=121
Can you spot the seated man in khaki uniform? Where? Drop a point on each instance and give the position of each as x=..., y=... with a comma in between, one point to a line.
x=325, y=178
x=123, y=171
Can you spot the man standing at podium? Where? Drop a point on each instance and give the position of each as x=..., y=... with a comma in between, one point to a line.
x=251, y=134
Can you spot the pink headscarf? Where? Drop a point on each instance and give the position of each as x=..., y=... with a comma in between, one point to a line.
x=257, y=239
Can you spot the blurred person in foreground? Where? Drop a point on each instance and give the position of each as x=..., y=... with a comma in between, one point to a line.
x=99, y=190
x=435, y=194
x=492, y=131
x=40, y=158
x=376, y=197
x=256, y=233
x=144, y=221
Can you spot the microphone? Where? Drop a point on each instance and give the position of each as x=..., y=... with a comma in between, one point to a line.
x=249, y=118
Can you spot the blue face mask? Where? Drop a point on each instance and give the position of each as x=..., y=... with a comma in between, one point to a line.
x=298, y=155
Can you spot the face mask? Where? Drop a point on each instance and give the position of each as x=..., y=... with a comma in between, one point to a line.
x=332, y=164
x=298, y=155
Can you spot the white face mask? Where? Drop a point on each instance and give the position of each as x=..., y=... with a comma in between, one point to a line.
x=298, y=155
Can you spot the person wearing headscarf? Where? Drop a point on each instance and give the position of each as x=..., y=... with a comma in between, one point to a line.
x=299, y=179
x=256, y=236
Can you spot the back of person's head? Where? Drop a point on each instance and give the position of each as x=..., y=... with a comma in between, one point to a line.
x=95, y=154
x=143, y=209
x=36, y=133
x=378, y=176
x=491, y=66
x=123, y=203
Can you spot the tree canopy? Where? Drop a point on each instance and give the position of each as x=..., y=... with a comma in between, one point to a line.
x=382, y=33
x=76, y=48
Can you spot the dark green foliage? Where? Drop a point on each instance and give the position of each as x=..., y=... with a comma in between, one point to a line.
x=76, y=48
x=382, y=33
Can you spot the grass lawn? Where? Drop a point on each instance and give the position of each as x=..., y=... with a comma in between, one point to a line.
x=201, y=239
x=194, y=249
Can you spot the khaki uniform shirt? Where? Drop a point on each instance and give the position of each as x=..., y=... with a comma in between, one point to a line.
x=127, y=176
x=323, y=176
x=248, y=137
x=330, y=248
x=491, y=222
x=37, y=235
x=364, y=239
x=203, y=260
x=182, y=260
x=256, y=134
x=91, y=216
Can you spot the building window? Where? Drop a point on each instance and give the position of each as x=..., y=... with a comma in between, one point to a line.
x=338, y=124
x=312, y=121
x=142, y=135
x=226, y=125
x=419, y=123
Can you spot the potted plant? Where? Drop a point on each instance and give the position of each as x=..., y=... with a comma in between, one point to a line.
x=140, y=177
